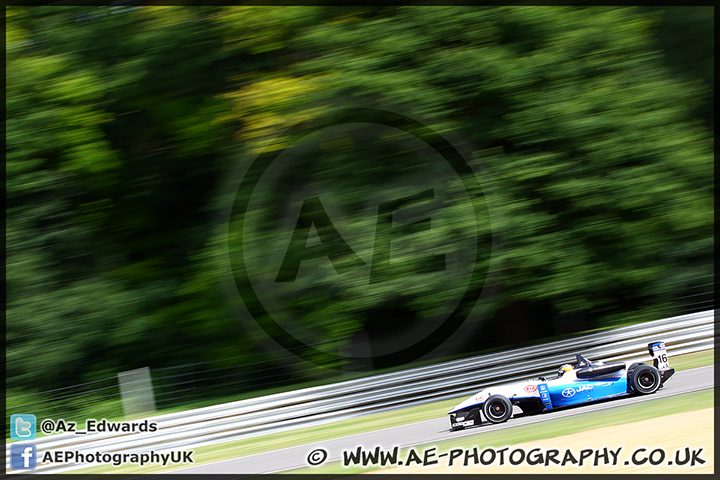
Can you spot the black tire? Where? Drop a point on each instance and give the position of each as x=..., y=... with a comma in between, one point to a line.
x=645, y=379
x=497, y=409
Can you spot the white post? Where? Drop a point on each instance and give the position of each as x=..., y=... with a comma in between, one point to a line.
x=136, y=392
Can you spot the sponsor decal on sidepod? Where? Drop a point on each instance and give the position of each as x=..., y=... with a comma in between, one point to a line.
x=568, y=392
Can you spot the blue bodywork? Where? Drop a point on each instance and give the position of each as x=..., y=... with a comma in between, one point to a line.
x=545, y=395
x=561, y=394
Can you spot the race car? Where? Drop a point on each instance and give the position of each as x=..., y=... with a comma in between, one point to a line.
x=582, y=382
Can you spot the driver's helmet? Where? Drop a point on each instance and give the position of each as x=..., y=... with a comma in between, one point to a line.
x=565, y=368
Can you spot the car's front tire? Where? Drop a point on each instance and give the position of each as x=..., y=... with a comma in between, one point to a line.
x=645, y=379
x=497, y=409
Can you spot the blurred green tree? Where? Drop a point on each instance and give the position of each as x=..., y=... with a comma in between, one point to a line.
x=597, y=170
x=588, y=131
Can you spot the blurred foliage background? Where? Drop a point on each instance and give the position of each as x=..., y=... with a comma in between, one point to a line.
x=589, y=128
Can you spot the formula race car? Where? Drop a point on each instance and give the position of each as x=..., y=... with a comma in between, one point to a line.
x=578, y=383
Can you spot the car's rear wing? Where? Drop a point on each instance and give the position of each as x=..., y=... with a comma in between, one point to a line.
x=658, y=351
x=660, y=360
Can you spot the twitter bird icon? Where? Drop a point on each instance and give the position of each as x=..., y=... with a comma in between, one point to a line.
x=23, y=426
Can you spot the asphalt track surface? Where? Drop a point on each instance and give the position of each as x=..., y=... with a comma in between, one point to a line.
x=430, y=432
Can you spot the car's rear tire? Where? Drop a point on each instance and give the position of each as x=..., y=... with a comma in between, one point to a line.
x=645, y=379
x=497, y=409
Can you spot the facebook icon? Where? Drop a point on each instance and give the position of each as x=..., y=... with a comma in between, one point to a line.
x=23, y=456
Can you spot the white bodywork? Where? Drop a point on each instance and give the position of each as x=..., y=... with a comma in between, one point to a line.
x=525, y=389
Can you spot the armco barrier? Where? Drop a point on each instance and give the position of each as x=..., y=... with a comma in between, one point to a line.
x=322, y=404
